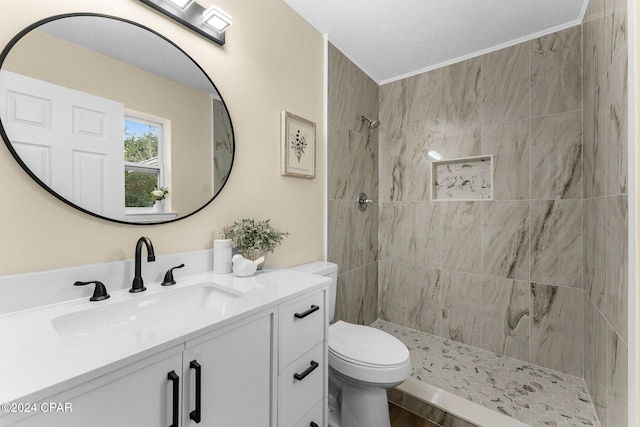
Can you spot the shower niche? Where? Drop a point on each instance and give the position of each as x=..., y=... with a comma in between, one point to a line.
x=466, y=178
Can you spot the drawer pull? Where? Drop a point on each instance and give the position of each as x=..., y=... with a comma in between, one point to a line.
x=195, y=415
x=175, y=379
x=313, y=424
x=310, y=369
x=313, y=309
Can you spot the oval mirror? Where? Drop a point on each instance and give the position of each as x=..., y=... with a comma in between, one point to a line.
x=109, y=116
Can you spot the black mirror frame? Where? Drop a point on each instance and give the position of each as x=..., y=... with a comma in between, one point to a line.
x=5, y=137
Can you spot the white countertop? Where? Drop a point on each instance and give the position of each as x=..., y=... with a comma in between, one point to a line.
x=38, y=362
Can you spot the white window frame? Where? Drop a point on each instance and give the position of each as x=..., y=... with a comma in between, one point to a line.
x=164, y=158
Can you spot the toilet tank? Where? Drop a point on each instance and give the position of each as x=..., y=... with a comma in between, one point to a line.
x=327, y=269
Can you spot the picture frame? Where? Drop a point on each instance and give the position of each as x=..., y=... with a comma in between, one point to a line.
x=298, y=146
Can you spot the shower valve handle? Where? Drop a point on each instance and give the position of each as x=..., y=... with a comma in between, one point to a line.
x=363, y=202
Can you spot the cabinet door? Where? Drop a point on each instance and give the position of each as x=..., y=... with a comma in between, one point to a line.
x=138, y=395
x=236, y=381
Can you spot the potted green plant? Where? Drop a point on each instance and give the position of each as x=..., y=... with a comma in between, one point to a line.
x=254, y=238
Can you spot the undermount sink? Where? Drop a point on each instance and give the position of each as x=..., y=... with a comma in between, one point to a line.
x=143, y=312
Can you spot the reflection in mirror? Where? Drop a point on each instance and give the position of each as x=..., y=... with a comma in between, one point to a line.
x=102, y=112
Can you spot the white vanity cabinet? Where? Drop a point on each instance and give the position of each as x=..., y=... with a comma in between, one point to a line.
x=265, y=367
x=235, y=365
x=137, y=395
x=235, y=381
x=302, y=380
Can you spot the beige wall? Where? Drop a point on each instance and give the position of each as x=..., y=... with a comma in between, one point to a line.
x=272, y=61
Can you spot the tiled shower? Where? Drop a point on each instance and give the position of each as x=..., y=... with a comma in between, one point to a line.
x=538, y=273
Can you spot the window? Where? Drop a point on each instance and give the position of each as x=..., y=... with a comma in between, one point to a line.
x=143, y=160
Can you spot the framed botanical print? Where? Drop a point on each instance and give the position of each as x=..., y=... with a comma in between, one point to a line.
x=298, y=146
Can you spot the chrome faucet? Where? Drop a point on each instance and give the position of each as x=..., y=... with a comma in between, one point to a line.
x=138, y=283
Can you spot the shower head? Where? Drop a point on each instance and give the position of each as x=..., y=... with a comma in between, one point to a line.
x=372, y=124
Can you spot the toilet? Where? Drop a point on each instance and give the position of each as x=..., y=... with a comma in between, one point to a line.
x=363, y=363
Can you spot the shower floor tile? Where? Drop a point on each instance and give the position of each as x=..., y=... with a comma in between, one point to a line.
x=528, y=393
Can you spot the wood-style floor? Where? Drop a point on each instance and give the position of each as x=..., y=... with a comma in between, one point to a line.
x=403, y=418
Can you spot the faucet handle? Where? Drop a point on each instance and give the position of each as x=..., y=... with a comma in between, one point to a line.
x=168, y=277
x=99, y=292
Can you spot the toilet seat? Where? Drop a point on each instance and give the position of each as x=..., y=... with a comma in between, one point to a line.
x=367, y=354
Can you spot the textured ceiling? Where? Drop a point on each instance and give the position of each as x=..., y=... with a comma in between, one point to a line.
x=391, y=39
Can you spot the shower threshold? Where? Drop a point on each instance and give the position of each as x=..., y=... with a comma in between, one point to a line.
x=487, y=389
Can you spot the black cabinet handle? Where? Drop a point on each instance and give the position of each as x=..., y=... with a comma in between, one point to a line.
x=310, y=369
x=313, y=424
x=195, y=414
x=313, y=309
x=175, y=379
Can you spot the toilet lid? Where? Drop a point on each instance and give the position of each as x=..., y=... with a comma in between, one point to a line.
x=365, y=345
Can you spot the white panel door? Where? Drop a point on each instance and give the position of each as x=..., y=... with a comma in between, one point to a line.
x=73, y=141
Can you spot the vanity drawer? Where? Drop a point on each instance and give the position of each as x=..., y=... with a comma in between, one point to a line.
x=302, y=326
x=297, y=397
x=314, y=416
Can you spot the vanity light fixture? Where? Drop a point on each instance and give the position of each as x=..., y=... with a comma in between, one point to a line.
x=210, y=23
x=182, y=4
x=217, y=18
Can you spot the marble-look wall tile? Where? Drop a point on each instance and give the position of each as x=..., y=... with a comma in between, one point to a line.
x=459, y=316
x=461, y=94
x=393, y=110
x=392, y=232
x=393, y=170
x=606, y=224
x=593, y=49
x=556, y=340
x=338, y=162
x=556, y=156
x=617, y=259
x=509, y=145
x=350, y=297
x=556, y=242
x=353, y=296
x=596, y=363
x=425, y=104
x=370, y=293
x=615, y=31
x=341, y=307
x=425, y=234
x=338, y=244
x=505, y=85
x=594, y=232
x=392, y=292
x=364, y=235
x=455, y=143
x=505, y=239
x=424, y=298
x=338, y=84
x=594, y=146
x=556, y=72
x=362, y=168
x=418, y=170
x=461, y=226
x=363, y=99
x=352, y=240
x=617, y=128
x=617, y=375
x=505, y=317
x=588, y=342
